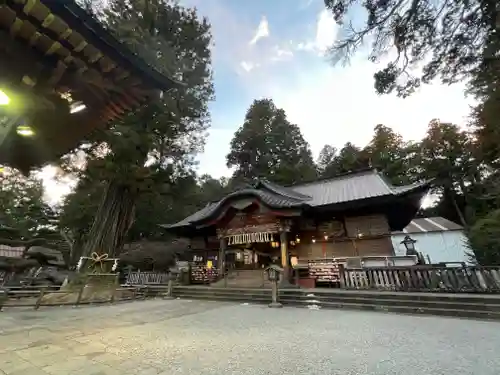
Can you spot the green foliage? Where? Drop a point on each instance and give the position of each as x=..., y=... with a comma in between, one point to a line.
x=135, y=162
x=487, y=127
x=268, y=145
x=453, y=40
x=349, y=158
x=22, y=204
x=153, y=256
x=484, y=239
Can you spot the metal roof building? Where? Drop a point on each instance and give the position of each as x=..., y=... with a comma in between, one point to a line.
x=360, y=190
x=439, y=239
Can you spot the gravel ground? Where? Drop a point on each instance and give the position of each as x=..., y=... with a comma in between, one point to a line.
x=194, y=337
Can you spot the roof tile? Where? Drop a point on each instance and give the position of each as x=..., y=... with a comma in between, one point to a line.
x=340, y=189
x=347, y=188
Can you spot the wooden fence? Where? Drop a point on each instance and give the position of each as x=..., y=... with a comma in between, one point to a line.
x=147, y=278
x=424, y=279
x=33, y=297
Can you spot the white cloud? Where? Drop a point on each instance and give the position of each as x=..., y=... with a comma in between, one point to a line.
x=262, y=31
x=326, y=33
x=248, y=66
x=335, y=106
x=306, y=4
x=281, y=54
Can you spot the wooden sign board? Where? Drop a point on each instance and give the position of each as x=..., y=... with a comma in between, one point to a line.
x=243, y=223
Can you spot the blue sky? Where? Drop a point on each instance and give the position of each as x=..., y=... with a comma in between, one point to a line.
x=275, y=49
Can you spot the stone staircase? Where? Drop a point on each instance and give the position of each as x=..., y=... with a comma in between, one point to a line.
x=445, y=304
x=243, y=279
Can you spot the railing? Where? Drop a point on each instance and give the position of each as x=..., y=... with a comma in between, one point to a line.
x=244, y=279
x=37, y=297
x=424, y=279
x=147, y=278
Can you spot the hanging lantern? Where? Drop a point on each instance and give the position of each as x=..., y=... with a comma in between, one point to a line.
x=297, y=239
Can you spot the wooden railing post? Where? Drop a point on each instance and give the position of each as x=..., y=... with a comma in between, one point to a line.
x=170, y=287
x=80, y=294
x=39, y=300
x=4, y=296
x=116, y=285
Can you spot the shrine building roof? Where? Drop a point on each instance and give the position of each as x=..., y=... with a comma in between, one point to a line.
x=338, y=192
x=63, y=75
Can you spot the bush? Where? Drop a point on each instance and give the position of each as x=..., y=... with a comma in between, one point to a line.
x=484, y=239
x=153, y=256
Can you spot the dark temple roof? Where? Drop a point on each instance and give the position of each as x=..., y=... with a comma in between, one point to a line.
x=55, y=56
x=93, y=31
x=357, y=186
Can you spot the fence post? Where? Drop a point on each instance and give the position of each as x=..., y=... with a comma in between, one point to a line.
x=170, y=287
x=80, y=293
x=4, y=296
x=39, y=300
x=117, y=284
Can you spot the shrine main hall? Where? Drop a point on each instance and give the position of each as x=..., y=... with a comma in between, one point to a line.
x=348, y=219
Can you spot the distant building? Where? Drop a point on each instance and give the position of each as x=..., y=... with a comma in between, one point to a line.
x=438, y=239
x=11, y=252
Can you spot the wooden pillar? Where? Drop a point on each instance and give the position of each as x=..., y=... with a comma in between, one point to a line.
x=284, y=250
x=285, y=261
x=221, y=259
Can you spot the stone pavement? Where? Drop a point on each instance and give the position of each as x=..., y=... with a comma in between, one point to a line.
x=208, y=338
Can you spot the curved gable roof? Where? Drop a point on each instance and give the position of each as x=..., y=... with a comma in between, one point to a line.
x=350, y=187
x=269, y=194
x=353, y=187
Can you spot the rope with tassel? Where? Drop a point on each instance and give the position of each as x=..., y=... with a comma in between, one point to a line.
x=98, y=259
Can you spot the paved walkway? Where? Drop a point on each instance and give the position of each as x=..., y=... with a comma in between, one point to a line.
x=197, y=337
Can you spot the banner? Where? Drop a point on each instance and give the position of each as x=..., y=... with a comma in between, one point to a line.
x=241, y=239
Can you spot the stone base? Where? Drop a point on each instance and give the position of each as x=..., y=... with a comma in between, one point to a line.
x=275, y=305
x=168, y=297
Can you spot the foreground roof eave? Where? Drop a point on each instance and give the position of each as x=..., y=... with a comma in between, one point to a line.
x=402, y=190
x=91, y=29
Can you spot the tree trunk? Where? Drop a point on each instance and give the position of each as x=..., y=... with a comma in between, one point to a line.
x=112, y=221
x=460, y=214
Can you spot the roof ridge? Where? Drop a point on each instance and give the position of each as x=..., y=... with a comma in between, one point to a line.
x=283, y=190
x=338, y=176
x=386, y=181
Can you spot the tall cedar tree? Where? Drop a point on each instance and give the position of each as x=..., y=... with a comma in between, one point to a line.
x=452, y=39
x=147, y=151
x=267, y=145
x=447, y=156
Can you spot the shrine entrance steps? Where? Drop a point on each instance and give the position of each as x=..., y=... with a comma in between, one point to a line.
x=244, y=279
x=445, y=304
